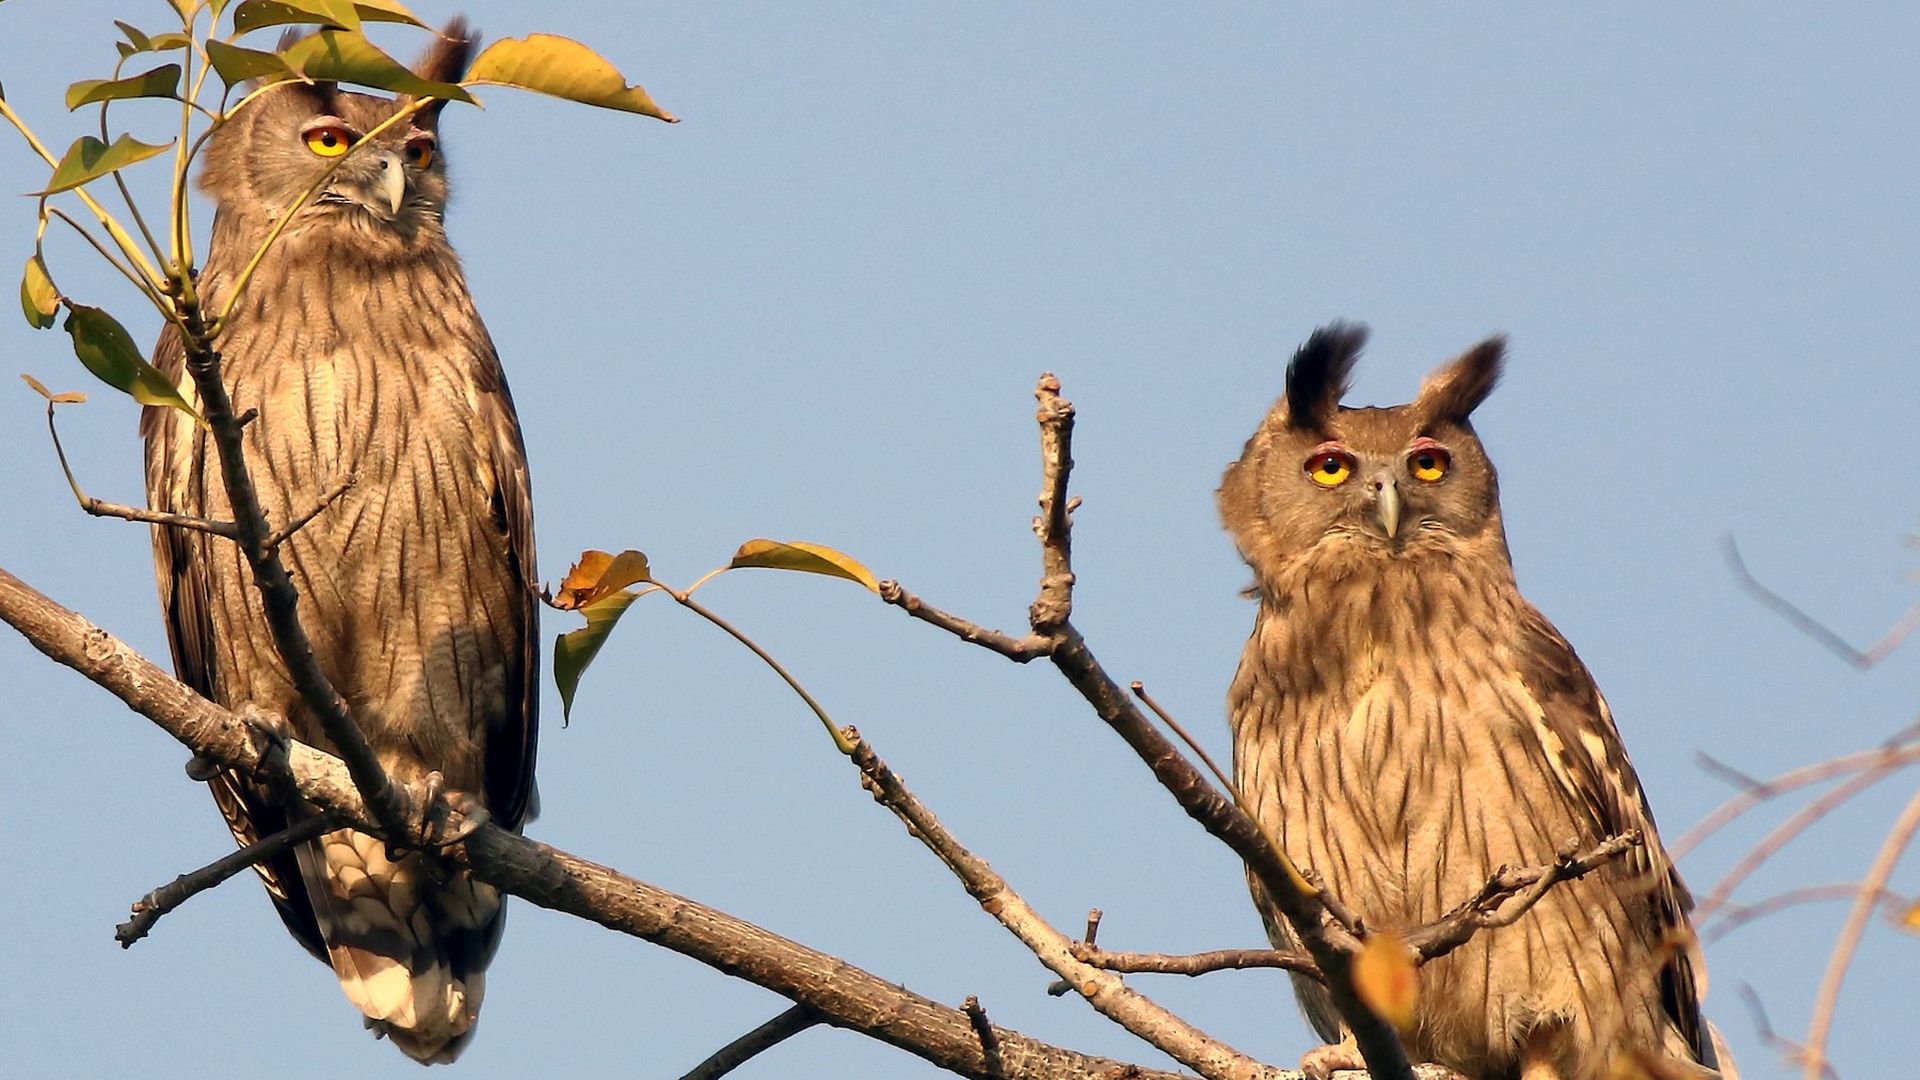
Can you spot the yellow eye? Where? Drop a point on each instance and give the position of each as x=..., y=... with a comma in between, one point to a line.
x=1330, y=468
x=329, y=141
x=420, y=153
x=1429, y=463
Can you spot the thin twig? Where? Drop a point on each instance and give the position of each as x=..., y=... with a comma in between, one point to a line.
x=1848, y=942
x=1018, y=649
x=1200, y=963
x=1733, y=916
x=1510, y=894
x=1103, y=990
x=989, y=1042
x=102, y=508
x=1790, y=780
x=755, y=1042
x=1780, y=1044
x=1784, y=833
x=150, y=908
x=299, y=522
x=1812, y=627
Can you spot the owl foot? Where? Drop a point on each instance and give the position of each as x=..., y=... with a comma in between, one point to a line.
x=440, y=807
x=1323, y=1061
x=269, y=735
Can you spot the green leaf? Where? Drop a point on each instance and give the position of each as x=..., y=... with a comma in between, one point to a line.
x=38, y=298
x=108, y=351
x=804, y=557
x=350, y=58
x=170, y=42
x=161, y=82
x=563, y=68
x=236, y=64
x=574, y=650
x=138, y=37
x=254, y=14
x=89, y=159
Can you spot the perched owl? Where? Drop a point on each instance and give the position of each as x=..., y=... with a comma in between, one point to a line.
x=358, y=344
x=1404, y=723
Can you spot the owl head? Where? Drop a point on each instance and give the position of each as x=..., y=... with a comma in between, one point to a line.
x=1319, y=479
x=272, y=149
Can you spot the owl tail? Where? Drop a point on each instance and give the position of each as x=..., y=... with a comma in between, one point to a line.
x=411, y=951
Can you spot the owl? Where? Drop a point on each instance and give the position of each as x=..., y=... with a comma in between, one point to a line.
x=1405, y=723
x=358, y=345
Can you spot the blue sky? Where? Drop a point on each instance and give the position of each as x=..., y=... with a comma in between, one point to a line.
x=816, y=310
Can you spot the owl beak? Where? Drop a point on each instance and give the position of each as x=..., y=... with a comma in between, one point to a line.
x=1386, y=503
x=392, y=183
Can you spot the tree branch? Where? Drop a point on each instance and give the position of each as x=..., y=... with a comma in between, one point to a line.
x=846, y=996
x=1102, y=989
x=1489, y=908
x=755, y=1042
x=150, y=908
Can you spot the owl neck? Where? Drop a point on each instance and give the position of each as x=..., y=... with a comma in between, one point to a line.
x=1344, y=614
x=341, y=239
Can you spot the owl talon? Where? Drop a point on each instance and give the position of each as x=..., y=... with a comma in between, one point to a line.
x=1323, y=1061
x=269, y=736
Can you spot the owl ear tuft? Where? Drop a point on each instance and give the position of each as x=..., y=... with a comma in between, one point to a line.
x=1320, y=373
x=447, y=58
x=1453, y=391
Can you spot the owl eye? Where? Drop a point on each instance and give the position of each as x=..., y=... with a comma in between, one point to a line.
x=1429, y=463
x=420, y=152
x=1330, y=468
x=329, y=141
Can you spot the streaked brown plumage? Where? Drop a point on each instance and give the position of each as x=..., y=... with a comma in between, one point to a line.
x=358, y=344
x=1404, y=723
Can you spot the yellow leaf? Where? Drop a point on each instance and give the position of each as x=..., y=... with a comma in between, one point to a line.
x=1910, y=919
x=804, y=557
x=563, y=68
x=347, y=57
x=38, y=298
x=69, y=397
x=1386, y=980
x=598, y=575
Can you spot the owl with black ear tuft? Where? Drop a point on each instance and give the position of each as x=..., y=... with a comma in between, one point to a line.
x=1405, y=723
x=358, y=346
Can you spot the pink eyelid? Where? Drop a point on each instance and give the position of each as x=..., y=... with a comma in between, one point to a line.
x=1424, y=443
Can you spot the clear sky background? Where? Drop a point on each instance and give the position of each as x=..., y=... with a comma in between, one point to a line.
x=816, y=310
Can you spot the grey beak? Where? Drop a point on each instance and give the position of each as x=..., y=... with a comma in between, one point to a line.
x=1386, y=503
x=392, y=183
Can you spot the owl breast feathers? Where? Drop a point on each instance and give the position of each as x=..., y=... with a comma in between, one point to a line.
x=1405, y=723
x=358, y=346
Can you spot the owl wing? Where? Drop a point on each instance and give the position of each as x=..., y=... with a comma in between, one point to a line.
x=178, y=561
x=511, y=795
x=1585, y=751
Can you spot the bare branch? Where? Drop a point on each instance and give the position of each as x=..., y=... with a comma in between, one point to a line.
x=1848, y=942
x=279, y=599
x=845, y=995
x=1793, y=779
x=1103, y=990
x=989, y=1042
x=102, y=508
x=755, y=1042
x=1020, y=650
x=300, y=521
x=1785, y=833
x=1734, y=916
x=1201, y=963
x=1510, y=894
x=149, y=909
x=1813, y=628
x=1785, y=1047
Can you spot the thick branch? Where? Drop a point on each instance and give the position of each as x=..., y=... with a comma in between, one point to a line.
x=845, y=995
